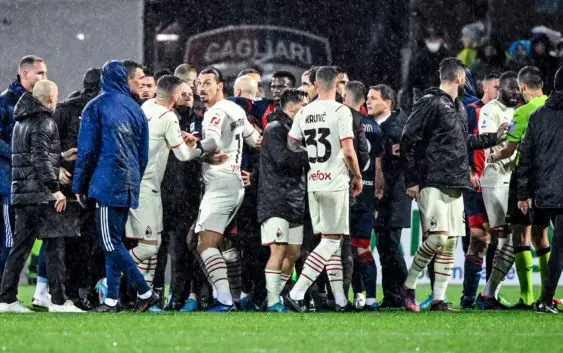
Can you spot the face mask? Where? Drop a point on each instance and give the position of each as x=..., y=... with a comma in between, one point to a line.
x=433, y=47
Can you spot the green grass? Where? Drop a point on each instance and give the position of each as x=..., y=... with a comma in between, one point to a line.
x=391, y=331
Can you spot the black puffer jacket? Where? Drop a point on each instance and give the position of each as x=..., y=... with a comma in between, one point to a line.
x=540, y=169
x=435, y=142
x=395, y=210
x=282, y=183
x=36, y=153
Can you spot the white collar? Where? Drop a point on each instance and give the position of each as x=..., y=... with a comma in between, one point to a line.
x=380, y=120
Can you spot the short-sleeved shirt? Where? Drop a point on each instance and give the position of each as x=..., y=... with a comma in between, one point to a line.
x=164, y=134
x=519, y=123
x=492, y=116
x=226, y=122
x=323, y=124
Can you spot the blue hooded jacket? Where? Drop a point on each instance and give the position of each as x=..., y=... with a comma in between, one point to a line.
x=469, y=95
x=8, y=100
x=113, y=143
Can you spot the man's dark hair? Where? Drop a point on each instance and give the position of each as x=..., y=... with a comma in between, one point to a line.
x=166, y=85
x=160, y=73
x=215, y=72
x=495, y=75
x=131, y=67
x=356, y=90
x=530, y=76
x=508, y=75
x=292, y=95
x=326, y=76
x=340, y=70
x=313, y=74
x=248, y=71
x=148, y=72
x=30, y=60
x=449, y=68
x=558, y=80
x=289, y=75
x=387, y=93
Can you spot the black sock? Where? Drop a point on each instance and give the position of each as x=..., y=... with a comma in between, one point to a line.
x=471, y=277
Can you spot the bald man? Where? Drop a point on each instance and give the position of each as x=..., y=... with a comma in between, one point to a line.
x=35, y=196
x=246, y=87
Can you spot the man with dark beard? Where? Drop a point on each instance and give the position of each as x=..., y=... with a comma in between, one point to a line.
x=434, y=148
x=84, y=257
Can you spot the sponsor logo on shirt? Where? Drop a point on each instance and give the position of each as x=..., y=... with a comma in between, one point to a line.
x=215, y=121
x=512, y=126
x=318, y=175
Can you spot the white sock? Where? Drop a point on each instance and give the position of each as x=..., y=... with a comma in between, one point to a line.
x=370, y=301
x=443, y=267
x=192, y=296
x=148, y=268
x=110, y=302
x=146, y=295
x=423, y=256
x=335, y=273
x=283, y=281
x=217, y=274
x=273, y=279
x=503, y=261
x=42, y=287
x=314, y=265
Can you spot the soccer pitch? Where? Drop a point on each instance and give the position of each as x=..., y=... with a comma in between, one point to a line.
x=386, y=331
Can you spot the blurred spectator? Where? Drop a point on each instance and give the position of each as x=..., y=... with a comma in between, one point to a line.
x=491, y=58
x=541, y=58
x=519, y=52
x=426, y=62
x=471, y=36
x=559, y=52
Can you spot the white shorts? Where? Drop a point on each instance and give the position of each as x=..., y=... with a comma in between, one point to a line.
x=145, y=222
x=278, y=231
x=330, y=211
x=495, y=187
x=219, y=206
x=441, y=210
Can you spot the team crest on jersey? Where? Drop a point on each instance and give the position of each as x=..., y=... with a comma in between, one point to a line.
x=215, y=121
x=279, y=234
x=433, y=223
x=148, y=232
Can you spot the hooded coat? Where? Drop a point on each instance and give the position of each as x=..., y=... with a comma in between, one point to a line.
x=113, y=143
x=8, y=100
x=540, y=169
x=36, y=153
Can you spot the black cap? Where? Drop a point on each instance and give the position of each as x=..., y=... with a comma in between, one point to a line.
x=92, y=79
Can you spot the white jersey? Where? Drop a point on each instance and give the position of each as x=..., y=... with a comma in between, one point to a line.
x=492, y=116
x=227, y=124
x=164, y=134
x=323, y=124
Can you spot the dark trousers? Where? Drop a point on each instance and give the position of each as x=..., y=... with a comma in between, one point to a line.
x=110, y=225
x=28, y=218
x=555, y=264
x=56, y=269
x=6, y=235
x=393, y=266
